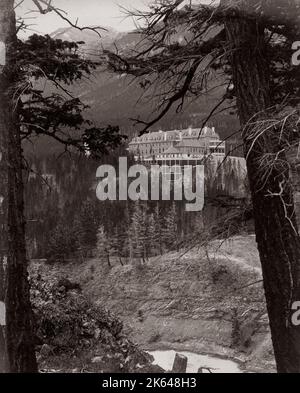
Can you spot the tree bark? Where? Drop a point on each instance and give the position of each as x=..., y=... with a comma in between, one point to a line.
x=19, y=327
x=3, y=189
x=275, y=224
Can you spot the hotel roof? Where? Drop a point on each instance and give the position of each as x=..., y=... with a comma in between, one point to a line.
x=189, y=133
x=172, y=150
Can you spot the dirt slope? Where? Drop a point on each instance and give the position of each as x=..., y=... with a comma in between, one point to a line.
x=201, y=300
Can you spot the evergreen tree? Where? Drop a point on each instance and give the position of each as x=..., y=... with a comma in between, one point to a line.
x=151, y=235
x=89, y=225
x=103, y=245
x=158, y=222
x=26, y=111
x=116, y=244
x=61, y=244
x=78, y=237
x=170, y=228
x=138, y=231
x=125, y=229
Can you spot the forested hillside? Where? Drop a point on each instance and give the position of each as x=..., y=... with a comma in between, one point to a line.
x=64, y=215
x=118, y=99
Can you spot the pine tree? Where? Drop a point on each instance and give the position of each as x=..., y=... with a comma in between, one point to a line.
x=116, y=244
x=158, y=228
x=151, y=234
x=89, y=225
x=138, y=232
x=61, y=244
x=78, y=237
x=58, y=245
x=125, y=234
x=103, y=245
x=26, y=112
x=170, y=229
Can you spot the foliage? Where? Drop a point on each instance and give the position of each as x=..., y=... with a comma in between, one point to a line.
x=68, y=323
x=62, y=244
x=138, y=231
x=170, y=228
x=88, y=226
x=185, y=52
x=65, y=320
x=103, y=245
x=45, y=68
x=117, y=240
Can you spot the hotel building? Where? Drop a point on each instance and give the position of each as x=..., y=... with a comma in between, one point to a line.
x=177, y=147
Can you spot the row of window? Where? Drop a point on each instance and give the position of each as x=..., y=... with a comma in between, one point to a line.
x=217, y=150
x=200, y=150
x=190, y=151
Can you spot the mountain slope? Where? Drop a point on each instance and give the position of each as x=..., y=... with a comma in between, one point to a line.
x=117, y=99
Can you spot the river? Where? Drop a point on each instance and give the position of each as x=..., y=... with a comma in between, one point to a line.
x=165, y=360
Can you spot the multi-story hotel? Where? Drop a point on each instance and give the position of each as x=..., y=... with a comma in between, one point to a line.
x=177, y=147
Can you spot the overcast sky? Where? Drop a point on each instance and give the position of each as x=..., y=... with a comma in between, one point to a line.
x=88, y=12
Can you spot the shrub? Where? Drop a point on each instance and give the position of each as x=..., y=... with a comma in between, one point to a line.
x=69, y=323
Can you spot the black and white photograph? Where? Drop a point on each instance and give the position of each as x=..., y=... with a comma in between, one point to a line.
x=149, y=190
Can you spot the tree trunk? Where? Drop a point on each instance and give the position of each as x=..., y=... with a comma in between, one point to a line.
x=275, y=224
x=3, y=192
x=19, y=329
x=108, y=260
x=3, y=353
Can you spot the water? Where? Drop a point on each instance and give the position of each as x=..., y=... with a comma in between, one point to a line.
x=165, y=359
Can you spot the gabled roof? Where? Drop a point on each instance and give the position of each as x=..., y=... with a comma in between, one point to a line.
x=189, y=134
x=172, y=150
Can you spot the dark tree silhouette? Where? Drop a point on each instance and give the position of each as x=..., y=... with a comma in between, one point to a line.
x=26, y=112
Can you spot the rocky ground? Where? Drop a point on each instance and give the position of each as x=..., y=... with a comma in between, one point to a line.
x=201, y=300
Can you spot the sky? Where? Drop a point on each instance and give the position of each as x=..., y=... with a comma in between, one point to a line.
x=107, y=13
x=88, y=12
